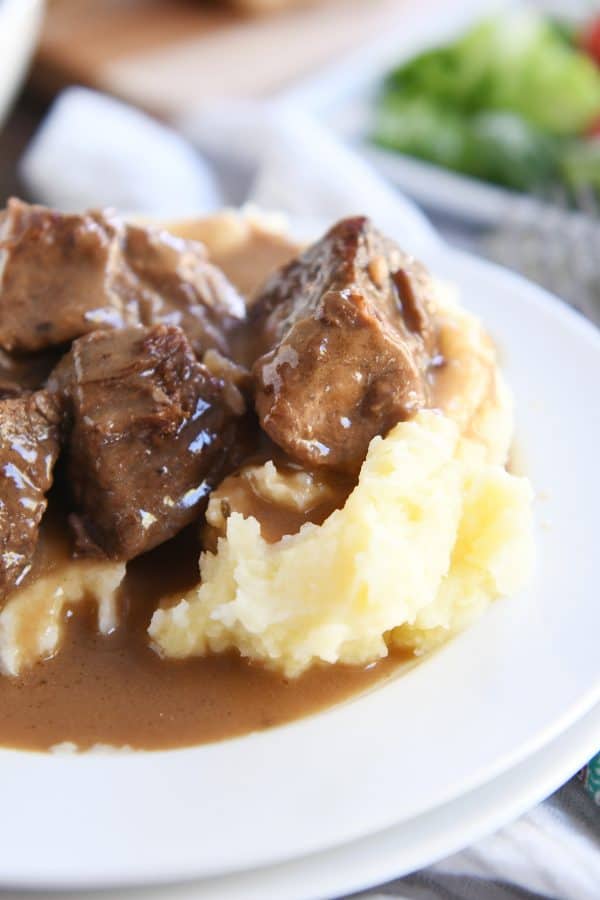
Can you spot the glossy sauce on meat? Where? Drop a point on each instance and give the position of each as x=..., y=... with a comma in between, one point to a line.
x=29, y=446
x=63, y=276
x=348, y=335
x=152, y=434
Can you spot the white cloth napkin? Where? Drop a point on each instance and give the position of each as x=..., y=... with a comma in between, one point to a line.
x=93, y=151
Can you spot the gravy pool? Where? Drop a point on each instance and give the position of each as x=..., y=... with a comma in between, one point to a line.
x=116, y=690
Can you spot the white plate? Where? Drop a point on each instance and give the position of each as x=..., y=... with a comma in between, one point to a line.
x=399, y=850
x=508, y=686
x=344, y=96
x=469, y=199
x=414, y=844
x=349, y=111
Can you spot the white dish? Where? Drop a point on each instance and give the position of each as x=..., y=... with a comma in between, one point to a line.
x=522, y=675
x=350, y=114
x=343, y=96
x=477, y=202
x=399, y=850
x=20, y=22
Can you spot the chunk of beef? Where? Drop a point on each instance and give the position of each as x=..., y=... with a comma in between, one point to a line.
x=345, y=335
x=178, y=286
x=63, y=276
x=152, y=433
x=59, y=278
x=29, y=447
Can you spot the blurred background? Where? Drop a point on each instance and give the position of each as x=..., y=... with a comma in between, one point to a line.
x=483, y=112
x=173, y=56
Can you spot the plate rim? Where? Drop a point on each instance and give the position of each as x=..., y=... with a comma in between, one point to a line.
x=496, y=804
x=343, y=93
x=540, y=298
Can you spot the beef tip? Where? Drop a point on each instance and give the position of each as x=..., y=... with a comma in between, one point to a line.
x=152, y=433
x=29, y=447
x=178, y=286
x=63, y=276
x=59, y=278
x=345, y=335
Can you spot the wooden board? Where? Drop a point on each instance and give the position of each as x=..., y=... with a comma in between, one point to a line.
x=172, y=55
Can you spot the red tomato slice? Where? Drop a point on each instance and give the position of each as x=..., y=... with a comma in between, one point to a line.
x=589, y=39
x=593, y=129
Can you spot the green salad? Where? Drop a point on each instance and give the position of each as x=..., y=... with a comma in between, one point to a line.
x=515, y=101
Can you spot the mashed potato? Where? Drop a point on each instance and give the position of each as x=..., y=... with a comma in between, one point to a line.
x=434, y=531
x=31, y=622
x=430, y=535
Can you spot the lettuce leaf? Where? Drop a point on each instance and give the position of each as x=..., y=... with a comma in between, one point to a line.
x=494, y=146
x=518, y=62
x=580, y=164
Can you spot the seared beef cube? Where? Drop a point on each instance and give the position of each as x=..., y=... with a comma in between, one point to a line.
x=178, y=286
x=29, y=446
x=59, y=278
x=152, y=433
x=346, y=336
x=62, y=276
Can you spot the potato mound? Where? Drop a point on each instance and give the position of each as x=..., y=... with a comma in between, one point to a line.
x=428, y=537
x=32, y=620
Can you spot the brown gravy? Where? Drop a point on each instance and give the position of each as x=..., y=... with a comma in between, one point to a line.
x=115, y=690
x=277, y=520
